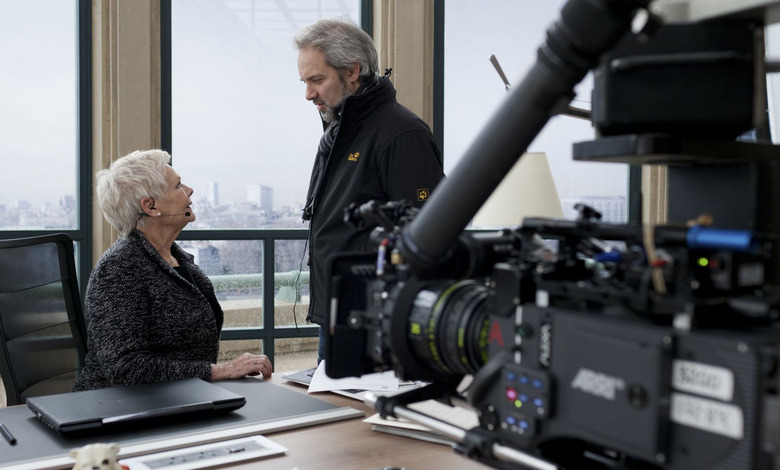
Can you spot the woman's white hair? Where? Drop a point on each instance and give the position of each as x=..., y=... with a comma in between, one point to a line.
x=129, y=179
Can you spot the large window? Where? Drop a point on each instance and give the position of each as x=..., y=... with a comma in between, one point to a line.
x=38, y=98
x=244, y=138
x=45, y=150
x=512, y=30
x=243, y=135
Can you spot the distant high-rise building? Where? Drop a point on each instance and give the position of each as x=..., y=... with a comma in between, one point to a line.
x=68, y=203
x=253, y=194
x=206, y=257
x=267, y=199
x=212, y=193
x=613, y=209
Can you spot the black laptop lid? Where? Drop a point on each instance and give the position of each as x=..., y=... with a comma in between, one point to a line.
x=95, y=409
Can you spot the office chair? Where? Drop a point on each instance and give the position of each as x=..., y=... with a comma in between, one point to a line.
x=42, y=326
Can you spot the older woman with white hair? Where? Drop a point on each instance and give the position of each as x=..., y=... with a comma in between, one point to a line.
x=152, y=314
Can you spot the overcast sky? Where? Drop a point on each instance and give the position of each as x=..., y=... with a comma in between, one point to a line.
x=37, y=100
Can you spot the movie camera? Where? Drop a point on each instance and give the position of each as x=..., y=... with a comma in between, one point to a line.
x=590, y=344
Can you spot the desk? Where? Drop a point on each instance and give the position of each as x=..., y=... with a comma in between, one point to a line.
x=352, y=445
x=342, y=444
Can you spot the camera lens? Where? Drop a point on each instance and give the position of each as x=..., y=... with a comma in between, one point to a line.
x=448, y=328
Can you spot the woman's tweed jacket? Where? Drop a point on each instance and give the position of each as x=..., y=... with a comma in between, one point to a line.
x=145, y=322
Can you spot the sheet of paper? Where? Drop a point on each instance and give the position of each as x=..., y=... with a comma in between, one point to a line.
x=360, y=395
x=382, y=381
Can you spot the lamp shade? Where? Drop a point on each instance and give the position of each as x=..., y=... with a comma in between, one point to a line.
x=528, y=190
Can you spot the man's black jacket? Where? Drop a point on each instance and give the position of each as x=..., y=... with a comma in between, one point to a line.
x=382, y=152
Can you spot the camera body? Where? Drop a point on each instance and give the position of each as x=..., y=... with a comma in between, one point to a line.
x=592, y=345
x=576, y=356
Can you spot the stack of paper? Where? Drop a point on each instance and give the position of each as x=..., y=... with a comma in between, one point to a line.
x=386, y=383
x=457, y=416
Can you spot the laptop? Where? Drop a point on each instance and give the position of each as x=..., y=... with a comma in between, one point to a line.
x=91, y=410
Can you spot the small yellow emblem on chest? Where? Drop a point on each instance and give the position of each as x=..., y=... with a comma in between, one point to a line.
x=422, y=194
x=353, y=156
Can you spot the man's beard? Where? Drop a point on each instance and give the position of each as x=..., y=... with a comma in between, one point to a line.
x=329, y=114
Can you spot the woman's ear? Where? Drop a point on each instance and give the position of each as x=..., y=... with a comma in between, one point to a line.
x=147, y=206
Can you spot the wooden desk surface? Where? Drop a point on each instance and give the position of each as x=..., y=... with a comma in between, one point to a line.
x=352, y=445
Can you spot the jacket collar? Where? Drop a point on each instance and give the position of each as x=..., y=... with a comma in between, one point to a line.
x=359, y=105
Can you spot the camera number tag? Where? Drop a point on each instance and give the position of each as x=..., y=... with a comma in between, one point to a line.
x=703, y=379
x=708, y=415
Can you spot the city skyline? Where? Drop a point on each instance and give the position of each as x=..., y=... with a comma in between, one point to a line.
x=246, y=213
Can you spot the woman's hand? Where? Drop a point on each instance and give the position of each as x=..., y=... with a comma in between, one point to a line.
x=245, y=364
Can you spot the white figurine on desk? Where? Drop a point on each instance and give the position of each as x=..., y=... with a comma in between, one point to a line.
x=96, y=456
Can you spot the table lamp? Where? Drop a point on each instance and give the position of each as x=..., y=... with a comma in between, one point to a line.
x=528, y=190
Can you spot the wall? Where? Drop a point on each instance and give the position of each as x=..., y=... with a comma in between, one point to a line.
x=125, y=89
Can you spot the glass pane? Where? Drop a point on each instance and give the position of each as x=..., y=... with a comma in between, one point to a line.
x=295, y=354
x=242, y=131
x=232, y=349
x=38, y=43
x=291, y=286
x=512, y=30
x=235, y=268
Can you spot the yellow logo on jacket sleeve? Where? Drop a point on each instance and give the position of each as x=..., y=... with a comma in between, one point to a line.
x=422, y=194
x=353, y=156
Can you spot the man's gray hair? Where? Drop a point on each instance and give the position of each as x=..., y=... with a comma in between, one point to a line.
x=129, y=179
x=343, y=43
